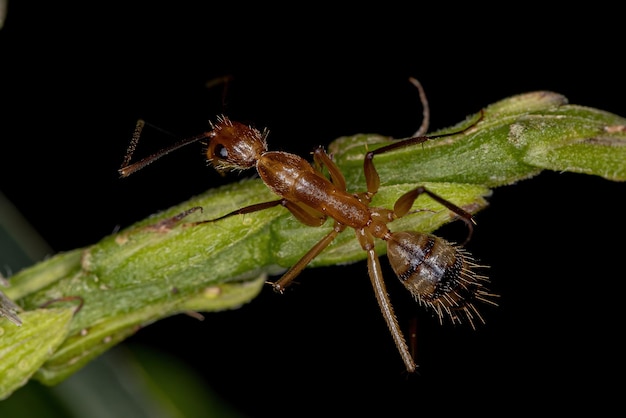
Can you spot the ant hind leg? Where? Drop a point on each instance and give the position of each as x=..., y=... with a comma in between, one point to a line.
x=405, y=202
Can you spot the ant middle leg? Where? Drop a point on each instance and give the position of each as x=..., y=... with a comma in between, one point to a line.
x=297, y=268
x=321, y=159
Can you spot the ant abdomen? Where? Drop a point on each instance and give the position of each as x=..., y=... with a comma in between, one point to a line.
x=438, y=274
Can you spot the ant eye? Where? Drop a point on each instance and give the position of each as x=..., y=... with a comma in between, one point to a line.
x=220, y=151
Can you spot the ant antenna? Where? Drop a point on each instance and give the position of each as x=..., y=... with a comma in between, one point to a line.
x=127, y=169
x=225, y=80
x=425, y=108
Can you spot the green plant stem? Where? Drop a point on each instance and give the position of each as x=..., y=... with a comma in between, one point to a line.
x=152, y=270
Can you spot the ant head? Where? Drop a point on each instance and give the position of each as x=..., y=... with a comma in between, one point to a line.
x=233, y=145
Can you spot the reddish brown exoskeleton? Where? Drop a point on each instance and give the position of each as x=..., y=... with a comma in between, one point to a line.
x=440, y=275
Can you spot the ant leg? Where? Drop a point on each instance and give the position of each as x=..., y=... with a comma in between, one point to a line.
x=168, y=223
x=322, y=159
x=241, y=211
x=425, y=108
x=380, y=290
x=371, y=175
x=303, y=213
x=293, y=272
x=225, y=80
x=405, y=202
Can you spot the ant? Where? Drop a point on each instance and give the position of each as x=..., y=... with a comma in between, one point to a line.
x=439, y=274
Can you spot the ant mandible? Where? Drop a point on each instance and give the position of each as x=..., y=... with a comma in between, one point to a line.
x=440, y=275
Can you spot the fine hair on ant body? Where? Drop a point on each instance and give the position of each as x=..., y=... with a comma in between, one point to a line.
x=440, y=275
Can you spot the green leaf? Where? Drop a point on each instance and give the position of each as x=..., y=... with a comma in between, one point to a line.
x=24, y=349
x=516, y=139
x=586, y=141
x=9, y=309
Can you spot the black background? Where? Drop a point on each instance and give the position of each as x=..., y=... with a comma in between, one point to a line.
x=75, y=78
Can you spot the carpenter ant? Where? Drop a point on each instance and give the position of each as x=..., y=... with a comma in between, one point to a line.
x=440, y=275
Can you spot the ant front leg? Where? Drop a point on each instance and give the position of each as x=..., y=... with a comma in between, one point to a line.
x=241, y=211
x=322, y=159
x=301, y=212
